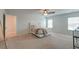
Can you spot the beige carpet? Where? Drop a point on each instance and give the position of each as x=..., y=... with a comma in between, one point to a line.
x=28, y=41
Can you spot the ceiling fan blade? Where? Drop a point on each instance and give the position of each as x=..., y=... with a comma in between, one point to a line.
x=51, y=12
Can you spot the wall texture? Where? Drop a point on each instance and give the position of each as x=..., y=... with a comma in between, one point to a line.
x=24, y=17
x=2, y=11
x=61, y=23
x=1, y=23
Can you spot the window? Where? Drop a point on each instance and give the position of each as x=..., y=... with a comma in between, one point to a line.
x=50, y=23
x=73, y=23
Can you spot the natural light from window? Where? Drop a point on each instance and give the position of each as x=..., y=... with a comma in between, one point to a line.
x=73, y=23
x=50, y=23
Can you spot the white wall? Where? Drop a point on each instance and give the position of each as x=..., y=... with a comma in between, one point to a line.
x=24, y=17
x=1, y=23
x=61, y=23
x=2, y=11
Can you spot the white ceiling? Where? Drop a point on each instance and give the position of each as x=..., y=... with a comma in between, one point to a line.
x=27, y=11
x=63, y=11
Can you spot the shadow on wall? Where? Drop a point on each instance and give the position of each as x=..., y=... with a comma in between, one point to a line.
x=2, y=42
x=1, y=33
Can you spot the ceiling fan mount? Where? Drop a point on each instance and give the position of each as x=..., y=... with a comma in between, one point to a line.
x=47, y=11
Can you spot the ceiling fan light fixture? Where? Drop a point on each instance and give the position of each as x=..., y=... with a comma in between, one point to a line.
x=45, y=12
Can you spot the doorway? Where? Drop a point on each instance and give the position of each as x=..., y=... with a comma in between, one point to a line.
x=10, y=26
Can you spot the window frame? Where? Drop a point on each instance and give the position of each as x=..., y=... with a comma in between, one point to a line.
x=68, y=24
x=47, y=23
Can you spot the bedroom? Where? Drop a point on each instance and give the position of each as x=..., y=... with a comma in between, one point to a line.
x=59, y=34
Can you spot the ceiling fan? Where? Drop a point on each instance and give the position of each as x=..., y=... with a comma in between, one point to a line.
x=47, y=11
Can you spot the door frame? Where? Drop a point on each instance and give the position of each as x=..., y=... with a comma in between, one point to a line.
x=4, y=31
